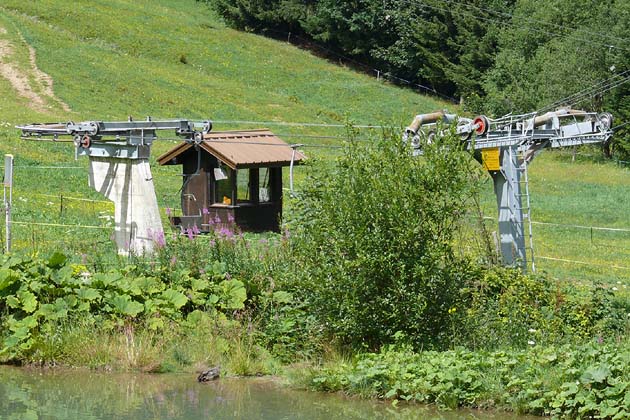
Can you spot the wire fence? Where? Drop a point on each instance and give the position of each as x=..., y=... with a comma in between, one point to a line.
x=41, y=235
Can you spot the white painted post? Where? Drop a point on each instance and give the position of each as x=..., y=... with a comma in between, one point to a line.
x=8, y=198
x=129, y=184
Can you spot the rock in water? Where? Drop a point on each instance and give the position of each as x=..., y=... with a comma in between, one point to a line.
x=209, y=375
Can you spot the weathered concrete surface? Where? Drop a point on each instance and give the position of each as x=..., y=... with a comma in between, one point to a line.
x=129, y=184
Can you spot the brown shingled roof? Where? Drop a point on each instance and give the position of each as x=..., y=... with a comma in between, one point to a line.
x=241, y=149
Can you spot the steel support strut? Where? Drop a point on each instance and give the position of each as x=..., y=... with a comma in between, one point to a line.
x=507, y=188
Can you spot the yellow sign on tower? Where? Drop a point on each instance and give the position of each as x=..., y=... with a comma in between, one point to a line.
x=490, y=159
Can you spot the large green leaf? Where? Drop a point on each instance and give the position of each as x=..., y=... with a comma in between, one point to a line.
x=28, y=300
x=595, y=374
x=28, y=322
x=7, y=278
x=87, y=293
x=106, y=279
x=175, y=298
x=64, y=277
x=199, y=284
x=61, y=308
x=282, y=297
x=233, y=294
x=125, y=306
x=13, y=302
x=147, y=285
x=57, y=260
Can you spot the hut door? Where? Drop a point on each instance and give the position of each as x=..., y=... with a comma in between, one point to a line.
x=195, y=193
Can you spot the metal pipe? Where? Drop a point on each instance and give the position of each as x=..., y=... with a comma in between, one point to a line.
x=432, y=117
x=560, y=113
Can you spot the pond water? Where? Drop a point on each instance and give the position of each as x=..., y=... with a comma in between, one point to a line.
x=74, y=394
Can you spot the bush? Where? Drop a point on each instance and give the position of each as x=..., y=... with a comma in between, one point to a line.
x=508, y=309
x=373, y=246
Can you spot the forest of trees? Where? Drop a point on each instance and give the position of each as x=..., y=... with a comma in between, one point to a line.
x=495, y=56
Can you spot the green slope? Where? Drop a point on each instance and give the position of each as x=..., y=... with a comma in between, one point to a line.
x=174, y=58
x=167, y=59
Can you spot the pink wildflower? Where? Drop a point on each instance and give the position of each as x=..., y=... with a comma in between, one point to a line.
x=226, y=232
x=159, y=239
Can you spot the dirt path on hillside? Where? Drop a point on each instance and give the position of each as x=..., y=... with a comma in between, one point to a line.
x=28, y=82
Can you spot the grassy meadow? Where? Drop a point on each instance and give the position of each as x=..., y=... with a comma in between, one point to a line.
x=257, y=304
x=175, y=59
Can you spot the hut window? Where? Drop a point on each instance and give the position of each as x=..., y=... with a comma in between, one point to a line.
x=264, y=193
x=223, y=190
x=242, y=185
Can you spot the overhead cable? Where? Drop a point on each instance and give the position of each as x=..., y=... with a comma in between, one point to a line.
x=598, y=88
x=296, y=124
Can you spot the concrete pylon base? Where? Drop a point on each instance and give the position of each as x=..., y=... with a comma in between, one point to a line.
x=129, y=184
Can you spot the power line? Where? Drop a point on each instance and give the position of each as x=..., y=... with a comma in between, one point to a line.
x=596, y=89
x=583, y=227
x=60, y=225
x=571, y=226
x=259, y=143
x=297, y=124
x=44, y=167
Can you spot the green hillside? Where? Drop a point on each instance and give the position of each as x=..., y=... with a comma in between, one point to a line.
x=173, y=58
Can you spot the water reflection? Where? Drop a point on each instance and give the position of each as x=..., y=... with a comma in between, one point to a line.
x=68, y=394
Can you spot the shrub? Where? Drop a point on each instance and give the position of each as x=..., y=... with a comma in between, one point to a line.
x=507, y=308
x=373, y=243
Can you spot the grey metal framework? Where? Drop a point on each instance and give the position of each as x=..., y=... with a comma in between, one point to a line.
x=514, y=140
x=119, y=139
x=119, y=169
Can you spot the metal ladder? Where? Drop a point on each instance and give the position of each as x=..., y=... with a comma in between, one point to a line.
x=526, y=209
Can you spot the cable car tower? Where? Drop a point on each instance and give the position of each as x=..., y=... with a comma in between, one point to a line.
x=505, y=147
x=119, y=169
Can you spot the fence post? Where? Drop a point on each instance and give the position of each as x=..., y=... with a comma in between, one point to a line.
x=8, y=197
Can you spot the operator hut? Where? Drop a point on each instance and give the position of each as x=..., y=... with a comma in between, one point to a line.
x=232, y=177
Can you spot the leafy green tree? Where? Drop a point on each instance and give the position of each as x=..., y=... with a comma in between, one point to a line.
x=374, y=239
x=554, y=49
